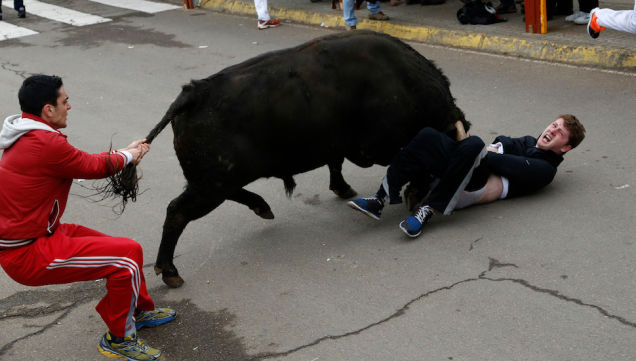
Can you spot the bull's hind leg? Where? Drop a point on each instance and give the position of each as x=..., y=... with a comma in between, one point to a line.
x=253, y=201
x=188, y=206
x=336, y=181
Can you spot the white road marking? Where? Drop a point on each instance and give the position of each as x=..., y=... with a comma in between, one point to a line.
x=58, y=13
x=138, y=5
x=10, y=31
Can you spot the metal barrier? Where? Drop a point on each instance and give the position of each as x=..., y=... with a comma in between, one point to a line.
x=536, y=16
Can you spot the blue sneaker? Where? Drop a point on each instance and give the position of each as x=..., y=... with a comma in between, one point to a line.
x=412, y=226
x=371, y=206
x=153, y=318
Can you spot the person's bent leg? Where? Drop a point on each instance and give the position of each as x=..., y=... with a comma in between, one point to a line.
x=74, y=253
x=424, y=153
x=89, y=255
x=459, y=166
x=427, y=154
x=144, y=302
x=466, y=157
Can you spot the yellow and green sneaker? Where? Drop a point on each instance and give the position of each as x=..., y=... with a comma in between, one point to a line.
x=132, y=348
x=153, y=318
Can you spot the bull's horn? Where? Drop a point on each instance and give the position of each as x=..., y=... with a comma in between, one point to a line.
x=461, y=133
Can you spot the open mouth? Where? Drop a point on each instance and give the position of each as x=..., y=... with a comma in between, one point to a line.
x=547, y=138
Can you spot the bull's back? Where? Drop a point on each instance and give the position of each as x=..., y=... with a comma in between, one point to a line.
x=301, y=106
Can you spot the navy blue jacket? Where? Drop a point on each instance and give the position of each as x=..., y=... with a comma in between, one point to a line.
x=527, y=167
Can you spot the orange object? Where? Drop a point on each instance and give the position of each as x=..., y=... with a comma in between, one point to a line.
x=188, y=4
x=594, y=25
x=536, y=16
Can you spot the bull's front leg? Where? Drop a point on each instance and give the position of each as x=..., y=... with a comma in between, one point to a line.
x=337, y=184
x=188, y=206
x=255, y=202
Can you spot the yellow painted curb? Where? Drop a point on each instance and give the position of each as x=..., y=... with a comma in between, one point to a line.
x=602, y=56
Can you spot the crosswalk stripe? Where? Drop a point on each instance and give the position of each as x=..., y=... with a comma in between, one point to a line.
x=10, y=31
x=58, y=13
x=138, y=5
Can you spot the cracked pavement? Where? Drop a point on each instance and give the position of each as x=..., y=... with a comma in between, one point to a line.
x=547, y=277
x=37, y=305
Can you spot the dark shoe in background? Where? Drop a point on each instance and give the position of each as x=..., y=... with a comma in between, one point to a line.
x=379, y=16
x=506, y=9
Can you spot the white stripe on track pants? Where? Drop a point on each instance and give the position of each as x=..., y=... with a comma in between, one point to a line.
x=75, y=253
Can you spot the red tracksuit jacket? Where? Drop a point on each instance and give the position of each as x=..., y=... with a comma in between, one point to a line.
x=36, y=174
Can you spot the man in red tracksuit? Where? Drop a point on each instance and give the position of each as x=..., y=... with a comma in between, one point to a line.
x=37, y=168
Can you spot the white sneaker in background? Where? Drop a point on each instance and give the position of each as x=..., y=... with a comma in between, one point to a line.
x=583, y=19
x=572, y=17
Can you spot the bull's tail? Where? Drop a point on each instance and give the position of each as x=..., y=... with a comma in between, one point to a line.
x=178, y=106
x=125, y=184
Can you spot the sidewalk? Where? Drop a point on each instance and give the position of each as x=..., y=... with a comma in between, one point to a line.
x=437, y=24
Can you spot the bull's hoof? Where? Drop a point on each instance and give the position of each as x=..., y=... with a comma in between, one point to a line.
x=173, y=281
x=158, y=270
x=345, y=194
x=268, y=214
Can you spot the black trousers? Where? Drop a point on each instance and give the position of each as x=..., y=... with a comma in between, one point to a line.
x=587, y=5
x=17, y=5
x=434, y=154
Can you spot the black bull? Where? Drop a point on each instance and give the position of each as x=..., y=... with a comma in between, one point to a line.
x=357, y=95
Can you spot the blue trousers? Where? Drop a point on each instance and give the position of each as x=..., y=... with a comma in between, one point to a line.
x=349, y=14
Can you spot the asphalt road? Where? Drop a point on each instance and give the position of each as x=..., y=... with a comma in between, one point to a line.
x=547, y=277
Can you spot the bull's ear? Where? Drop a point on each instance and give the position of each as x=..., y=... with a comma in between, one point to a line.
x=461, y=132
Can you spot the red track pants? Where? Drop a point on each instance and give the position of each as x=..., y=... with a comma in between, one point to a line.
x=75, y=253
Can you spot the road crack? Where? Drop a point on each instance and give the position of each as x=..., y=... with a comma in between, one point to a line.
x=42, y=329
x=562, y=297
x=493, y=263
x=396, y=314
x=8, y=67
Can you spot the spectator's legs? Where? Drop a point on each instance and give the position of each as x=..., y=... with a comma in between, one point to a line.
x=374, y=8
x=621, y=20
x=349, y=13
x=564, y=7
x=18, y=5
x=261, y=10
x=587, y=5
